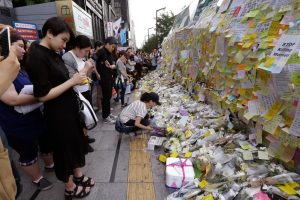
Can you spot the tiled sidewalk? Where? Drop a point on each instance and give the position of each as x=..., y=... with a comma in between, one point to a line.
x=110, y=184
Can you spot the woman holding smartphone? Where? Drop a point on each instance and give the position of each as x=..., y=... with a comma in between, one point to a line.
x=53, y=86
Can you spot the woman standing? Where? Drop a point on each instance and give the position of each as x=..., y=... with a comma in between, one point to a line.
x=26, y=131
x=122, y=78
x=54, y=87
x=74, y=61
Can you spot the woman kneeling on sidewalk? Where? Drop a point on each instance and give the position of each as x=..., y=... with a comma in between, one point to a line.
x=135, y=114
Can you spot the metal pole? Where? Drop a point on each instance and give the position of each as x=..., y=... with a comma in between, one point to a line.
x=156, y=28
x=156, y=24
x=148, y=32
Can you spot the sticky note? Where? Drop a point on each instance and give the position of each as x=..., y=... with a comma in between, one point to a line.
x=292, y=185
x=295, y=78
x=252, y=13
x=174, y=154
x=188, y=154
x=247, y=155
x=270, y=61
x=208, y=197
x=239, y=57
x=285, y=8
x=188, y=133
x=263, y=45
x=288, y=190
x=263, y=155
x=249, y=115
x=247, y=44
x=170, y=129
x=264, y=34
x=162, y=158
x=274, y=109
x=206, y=134
x=203, y=184
x=245, y=146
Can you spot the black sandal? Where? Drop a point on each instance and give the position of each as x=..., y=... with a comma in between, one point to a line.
x=72, y=194
x=81, y=181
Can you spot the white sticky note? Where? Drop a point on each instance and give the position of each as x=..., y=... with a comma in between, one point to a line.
x=263, y=155
x=247, y=155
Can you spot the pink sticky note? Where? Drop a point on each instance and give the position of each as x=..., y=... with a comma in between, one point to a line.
x=261, y=196
x=173, y=185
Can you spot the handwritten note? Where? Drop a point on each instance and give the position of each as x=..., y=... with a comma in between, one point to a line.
x=272, y=125
x=295, y=127
x=285, y=47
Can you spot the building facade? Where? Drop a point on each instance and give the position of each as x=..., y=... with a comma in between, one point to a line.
x=31, y=11
x=100, y=12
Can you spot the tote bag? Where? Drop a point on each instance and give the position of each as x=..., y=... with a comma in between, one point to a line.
x=86, y=112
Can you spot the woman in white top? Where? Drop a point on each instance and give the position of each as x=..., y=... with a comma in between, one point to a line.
x=135, y=114
x=74, y=61
x=122, y=79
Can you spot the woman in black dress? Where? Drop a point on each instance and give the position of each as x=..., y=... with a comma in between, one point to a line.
x=53, y=86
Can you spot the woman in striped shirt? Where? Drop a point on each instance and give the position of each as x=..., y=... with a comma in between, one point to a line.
x=135, y=114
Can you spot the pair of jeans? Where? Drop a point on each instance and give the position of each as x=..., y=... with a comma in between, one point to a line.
x=145, y=121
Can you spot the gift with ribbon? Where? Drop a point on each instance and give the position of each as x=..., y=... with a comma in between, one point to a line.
x=179, y=171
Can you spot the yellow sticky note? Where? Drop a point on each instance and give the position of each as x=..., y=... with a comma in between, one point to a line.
x=206, y=134
x=174, y=154
x=269, y=62
x=245, y=146
x=274, y=109
x=188, y=154
x=162, y=158
x=247, y=45
x=170, y=129
x=208, y=197
x=288, y=190
x=292, y=185
x=203, y=184
x=188, y=133
x=295, y=78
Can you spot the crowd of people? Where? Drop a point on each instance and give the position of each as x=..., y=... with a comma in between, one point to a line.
x=39, y=108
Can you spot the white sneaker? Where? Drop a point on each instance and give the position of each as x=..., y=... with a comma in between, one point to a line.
x=109, y=120
x=113, y=116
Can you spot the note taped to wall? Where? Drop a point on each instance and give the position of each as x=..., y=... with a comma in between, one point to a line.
x=285, y=47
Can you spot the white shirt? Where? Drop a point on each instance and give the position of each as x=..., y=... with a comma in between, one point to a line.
x=135, y=109
x=80, y=66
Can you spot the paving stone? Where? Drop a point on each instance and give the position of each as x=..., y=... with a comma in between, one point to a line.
x=112, y=191
x=108, y=141
x=161, y=191
x=122, y=167
x=108, y=127
x=125, y=144
x=99, y=165
x=158, y=168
